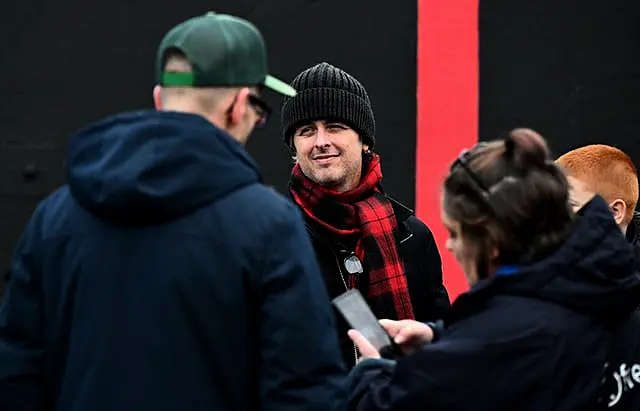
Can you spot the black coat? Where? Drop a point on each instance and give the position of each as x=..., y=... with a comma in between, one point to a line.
x=560, y=334
x=423, y=269
x=633, y=231
x=214, y=303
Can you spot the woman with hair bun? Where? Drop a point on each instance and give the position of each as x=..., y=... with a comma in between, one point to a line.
x=548, y=322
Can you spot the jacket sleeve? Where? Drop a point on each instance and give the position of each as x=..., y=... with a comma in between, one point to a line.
x=454, y=374
x=436, y=298
x=301, y=364
x=21, y=345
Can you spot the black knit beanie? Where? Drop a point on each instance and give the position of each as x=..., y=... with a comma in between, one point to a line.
x=325, y=91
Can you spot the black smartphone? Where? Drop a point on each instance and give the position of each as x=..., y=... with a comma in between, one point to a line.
x=358, y=314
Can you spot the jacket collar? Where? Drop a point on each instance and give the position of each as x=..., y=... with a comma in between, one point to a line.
x=402, y=213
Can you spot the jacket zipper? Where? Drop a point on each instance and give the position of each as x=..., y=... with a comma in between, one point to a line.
x=355, y=349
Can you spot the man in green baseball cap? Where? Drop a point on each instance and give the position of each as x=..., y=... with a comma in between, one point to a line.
x=165, y=275
x=215, y=65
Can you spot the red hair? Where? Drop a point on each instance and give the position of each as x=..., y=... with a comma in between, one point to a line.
x=607, y=171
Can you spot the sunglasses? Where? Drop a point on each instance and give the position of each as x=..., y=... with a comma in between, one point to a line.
x=261, y=108
x=463, y=162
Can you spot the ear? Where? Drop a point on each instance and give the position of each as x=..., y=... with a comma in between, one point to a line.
x=492, y=251
x=495, y=253
x=239, y=110
x=618, y=209
x=157, y=98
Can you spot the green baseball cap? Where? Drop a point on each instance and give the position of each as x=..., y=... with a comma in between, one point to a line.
x=223, y=50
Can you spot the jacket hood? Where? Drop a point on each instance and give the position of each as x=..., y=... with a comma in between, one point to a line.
x=151, y=166
x=593, y=272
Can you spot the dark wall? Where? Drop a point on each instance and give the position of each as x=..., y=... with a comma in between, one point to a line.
x=74, y=62
x=565, y=68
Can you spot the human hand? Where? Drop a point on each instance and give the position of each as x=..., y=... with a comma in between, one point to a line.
x=409, y=335
x=367, y=350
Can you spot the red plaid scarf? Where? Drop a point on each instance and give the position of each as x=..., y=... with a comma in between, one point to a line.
x=366, y=213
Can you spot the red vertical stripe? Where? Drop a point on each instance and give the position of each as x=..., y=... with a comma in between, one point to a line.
x=447, y=109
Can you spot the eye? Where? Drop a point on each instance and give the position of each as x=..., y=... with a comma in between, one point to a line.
x=305, y=131
x=336, y=127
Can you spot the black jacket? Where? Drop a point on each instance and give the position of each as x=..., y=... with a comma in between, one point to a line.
x=166, y=277
x=422, y=263
x=633, y=231
x=559, y=335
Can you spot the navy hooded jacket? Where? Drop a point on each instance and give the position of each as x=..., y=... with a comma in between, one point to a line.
x=165, y=276
x=554, y=335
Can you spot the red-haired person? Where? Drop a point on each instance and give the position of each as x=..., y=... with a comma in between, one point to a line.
x=609, y=172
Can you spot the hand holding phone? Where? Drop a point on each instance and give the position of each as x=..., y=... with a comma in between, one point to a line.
x=358, y=314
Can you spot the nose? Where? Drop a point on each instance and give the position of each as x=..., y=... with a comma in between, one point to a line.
x=448, y=244
x=322, y=138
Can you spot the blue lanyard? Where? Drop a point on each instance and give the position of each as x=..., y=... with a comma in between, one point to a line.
x=507, y=270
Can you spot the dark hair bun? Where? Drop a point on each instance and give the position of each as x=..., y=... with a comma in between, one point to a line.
x=526, y=149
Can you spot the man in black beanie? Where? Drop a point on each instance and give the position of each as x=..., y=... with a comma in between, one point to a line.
x=362, y=237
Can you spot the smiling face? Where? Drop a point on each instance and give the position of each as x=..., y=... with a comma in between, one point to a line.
x=329, y=153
